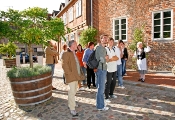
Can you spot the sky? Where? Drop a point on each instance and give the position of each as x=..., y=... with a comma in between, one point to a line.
x=23, y=4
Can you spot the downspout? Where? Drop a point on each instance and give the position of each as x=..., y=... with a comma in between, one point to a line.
x=91, y=13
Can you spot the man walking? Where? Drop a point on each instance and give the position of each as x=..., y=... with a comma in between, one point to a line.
x=101, y=72
x=73, y=74
x=51, y=57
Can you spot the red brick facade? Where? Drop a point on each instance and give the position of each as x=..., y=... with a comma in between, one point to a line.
x=138, y=13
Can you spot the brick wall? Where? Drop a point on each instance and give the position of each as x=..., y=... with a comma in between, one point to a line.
x=138, y=13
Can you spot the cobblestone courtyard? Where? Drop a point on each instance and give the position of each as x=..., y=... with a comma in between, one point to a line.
x=136, y=102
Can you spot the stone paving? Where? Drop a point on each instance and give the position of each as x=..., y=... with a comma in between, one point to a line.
x=136, y=102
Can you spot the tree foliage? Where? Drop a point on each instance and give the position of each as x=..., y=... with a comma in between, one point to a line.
x=30, y=26
x=88, y=35
x=9, y=48
x=138, y=37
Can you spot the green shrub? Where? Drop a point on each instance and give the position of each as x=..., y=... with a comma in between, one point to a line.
x=9, y=48
x=138, y=37
x=23, y=72
x=88, y=35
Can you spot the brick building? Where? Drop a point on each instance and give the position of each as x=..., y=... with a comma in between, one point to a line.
x=119, y=18
x=76, y=15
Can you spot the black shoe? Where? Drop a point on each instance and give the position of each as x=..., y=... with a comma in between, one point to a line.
x=143, y=80
x=74, y=113
x=140, y=79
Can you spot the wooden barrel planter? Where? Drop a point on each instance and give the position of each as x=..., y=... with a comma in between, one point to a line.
x=10, y=62
x=33, y=90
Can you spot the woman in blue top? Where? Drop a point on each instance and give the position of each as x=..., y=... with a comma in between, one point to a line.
x=90, y=72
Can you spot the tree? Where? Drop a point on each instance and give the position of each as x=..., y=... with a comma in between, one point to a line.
x=31, y=26
x=9, y=48
x=138, y=37
x=88, y=35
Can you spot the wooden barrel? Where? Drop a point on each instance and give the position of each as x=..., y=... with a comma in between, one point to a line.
x=33, y=90
x=10, y=62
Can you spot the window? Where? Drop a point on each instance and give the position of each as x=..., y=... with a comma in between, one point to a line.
x=64, y=18
x=78, y=8
x=163, y=25
x=72, y=37
x=35, y=49
x=120, y=28
x=71, y=14
x=22, y=49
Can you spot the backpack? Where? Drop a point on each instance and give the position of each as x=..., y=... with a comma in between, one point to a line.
x=112, y=48
x=92, y=61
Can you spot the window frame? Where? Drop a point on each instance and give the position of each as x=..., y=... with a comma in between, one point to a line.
x=78, y=7
x=71, y=14
x=120, y=35
x=161, y=25
x=65, y=18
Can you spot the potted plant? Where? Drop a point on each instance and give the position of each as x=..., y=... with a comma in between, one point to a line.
x=10, y=50
x=31, y=26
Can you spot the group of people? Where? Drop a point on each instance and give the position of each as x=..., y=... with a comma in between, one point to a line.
x=112, y=65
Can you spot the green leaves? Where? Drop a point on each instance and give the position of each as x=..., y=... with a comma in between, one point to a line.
x=88, y=35
x=28, y=72
x=138, y=37
x=30, y=26
x=9, y=48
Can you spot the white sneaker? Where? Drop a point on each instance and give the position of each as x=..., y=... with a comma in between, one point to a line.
x=74, y=113
x=125, y=74
x=81, y=89
x=107, y=100
x=113, y=96
x=104, y=109
x=122, y=87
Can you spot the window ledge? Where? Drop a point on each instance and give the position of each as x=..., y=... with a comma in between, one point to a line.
x=162, y=40
x=78, y=16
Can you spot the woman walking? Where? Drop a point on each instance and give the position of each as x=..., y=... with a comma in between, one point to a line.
x=140, y=53
x=79, y=54
x=64, y=49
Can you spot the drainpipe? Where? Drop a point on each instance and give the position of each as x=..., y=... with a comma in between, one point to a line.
x=91, y=13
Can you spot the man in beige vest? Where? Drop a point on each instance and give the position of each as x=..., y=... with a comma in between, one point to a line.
x=51, y=57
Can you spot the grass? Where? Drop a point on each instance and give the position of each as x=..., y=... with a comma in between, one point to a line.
x=22, y=72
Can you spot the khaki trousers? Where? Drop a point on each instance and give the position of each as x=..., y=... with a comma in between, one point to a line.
x=71, y=94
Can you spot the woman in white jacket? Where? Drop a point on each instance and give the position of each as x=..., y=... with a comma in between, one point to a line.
x=140, y=53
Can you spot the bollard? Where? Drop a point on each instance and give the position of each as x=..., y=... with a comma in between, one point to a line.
x=24, y=60
x=40, y=56
x=18, y=57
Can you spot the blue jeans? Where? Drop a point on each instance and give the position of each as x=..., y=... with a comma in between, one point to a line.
x=123, y=66
x=119, y=75
x=84, y=71
x=52, y=67
x=101, y=78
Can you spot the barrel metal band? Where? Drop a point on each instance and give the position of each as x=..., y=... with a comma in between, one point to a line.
x=35, y=102
x=33, y=96
x=35, y=80
x=29, y=91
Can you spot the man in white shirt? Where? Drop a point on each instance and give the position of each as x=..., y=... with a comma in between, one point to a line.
x=119, y=54
x=111, y=71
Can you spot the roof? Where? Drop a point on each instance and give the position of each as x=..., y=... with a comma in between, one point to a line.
x=62, y=5
x=55, y=12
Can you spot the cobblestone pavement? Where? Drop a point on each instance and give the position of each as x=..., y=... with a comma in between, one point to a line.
x=136, y=102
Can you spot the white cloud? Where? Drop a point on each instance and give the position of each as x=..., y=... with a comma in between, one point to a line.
x=23, y=4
